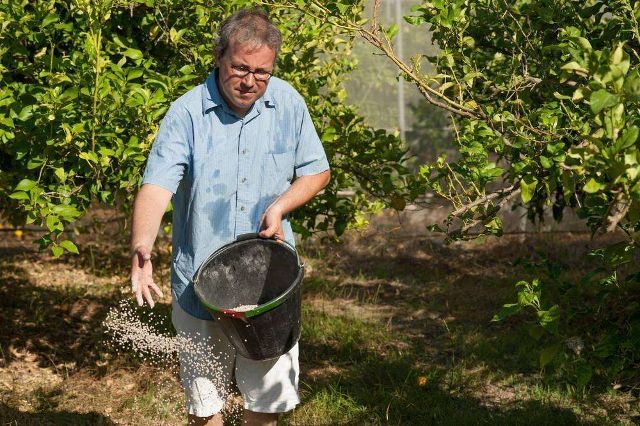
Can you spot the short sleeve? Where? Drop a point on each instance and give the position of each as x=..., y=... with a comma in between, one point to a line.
x=310, y=156
x=170, y=153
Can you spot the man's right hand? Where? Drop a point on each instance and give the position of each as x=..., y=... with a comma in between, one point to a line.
x=142, y=276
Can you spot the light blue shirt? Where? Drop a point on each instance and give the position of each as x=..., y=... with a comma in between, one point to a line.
x=224, y=170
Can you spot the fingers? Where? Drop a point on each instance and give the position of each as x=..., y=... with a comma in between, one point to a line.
x=147, y=295
x=139, y=296
x=156, y=289
x=267, y=233
x=134, y=283
x=143, y=293
x=135, y=273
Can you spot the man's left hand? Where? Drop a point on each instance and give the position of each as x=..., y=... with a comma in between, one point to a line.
x=271, y=223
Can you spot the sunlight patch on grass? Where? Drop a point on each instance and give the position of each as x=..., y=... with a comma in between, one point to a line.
x=329, y=405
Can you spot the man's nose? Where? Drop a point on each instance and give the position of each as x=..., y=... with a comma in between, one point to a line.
x=249, y=79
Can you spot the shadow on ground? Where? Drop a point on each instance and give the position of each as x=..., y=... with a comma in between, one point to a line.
x=443, y=298
x=390, y=390
x=56, y=324
x=10, y=417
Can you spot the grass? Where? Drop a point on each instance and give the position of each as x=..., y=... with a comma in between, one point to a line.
x=394, y=332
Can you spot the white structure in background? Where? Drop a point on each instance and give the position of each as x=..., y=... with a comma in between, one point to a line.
x=399, y=21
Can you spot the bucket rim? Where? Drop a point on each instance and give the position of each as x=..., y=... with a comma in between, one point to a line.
x=265, y=307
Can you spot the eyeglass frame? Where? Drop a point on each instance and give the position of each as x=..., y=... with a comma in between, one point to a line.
x=246, y=70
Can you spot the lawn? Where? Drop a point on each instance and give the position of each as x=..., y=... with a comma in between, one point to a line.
x=395, y=331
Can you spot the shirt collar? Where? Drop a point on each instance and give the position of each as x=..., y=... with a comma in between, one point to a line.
x=212, y=98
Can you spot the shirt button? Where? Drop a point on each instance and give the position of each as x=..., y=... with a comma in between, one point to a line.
x=244, y=151
x=242, y=208
x=244, y=179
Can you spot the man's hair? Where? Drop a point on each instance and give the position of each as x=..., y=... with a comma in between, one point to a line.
x=248, y=26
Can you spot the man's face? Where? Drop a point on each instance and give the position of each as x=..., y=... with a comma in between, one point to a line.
x=241, y=92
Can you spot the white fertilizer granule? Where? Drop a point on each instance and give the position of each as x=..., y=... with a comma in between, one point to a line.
x=245, y=308
x=128, y=333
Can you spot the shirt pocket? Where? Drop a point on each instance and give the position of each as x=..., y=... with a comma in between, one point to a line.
x=277, y=172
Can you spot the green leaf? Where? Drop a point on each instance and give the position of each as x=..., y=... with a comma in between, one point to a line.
x=69, y=246
x=34, y=163
x=66, y=211
x=574, y=67
x=492, y=172
x=632, y=86
x=549, y=318
x=618, y=54
x=628, y=138
x=70, y=94
x=602, y=99
x=527, y=188
x=415, y=20
x=60, y=174
x=57, y=251
x=134, y=73
x=391, y=31
x=89, y=156
x=133, y=53
x=545, y=162
x=19, y=195
x=52, y=222
x=173, y=35
x=25, y=185
x=584, y=43
x=559, y=95
x=187, y=69
x=49, y=19
x=506, y=311
x=593, y=186
x=7, y=121
x=26, y=113
x=548, y=354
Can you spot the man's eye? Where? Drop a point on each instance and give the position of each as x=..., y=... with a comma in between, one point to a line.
x=241, y=68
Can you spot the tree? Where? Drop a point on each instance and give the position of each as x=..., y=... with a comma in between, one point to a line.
x=544, y=97
x=83, y=85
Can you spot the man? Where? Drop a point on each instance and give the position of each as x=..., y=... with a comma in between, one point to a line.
x=227, y=153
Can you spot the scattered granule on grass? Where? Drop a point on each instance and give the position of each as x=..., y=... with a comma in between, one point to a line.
x=128, y=333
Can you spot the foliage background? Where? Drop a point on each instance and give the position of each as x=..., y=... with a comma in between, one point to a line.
x=84, y=84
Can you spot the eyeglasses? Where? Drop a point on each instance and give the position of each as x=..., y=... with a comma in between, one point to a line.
x=242, y=71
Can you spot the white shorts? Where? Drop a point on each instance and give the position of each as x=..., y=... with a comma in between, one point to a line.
x=207, y=361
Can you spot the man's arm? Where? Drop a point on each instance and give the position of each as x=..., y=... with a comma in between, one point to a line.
x=300, y=191
x=148, y=209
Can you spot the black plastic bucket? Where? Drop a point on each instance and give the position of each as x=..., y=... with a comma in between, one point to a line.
x=254, y=271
